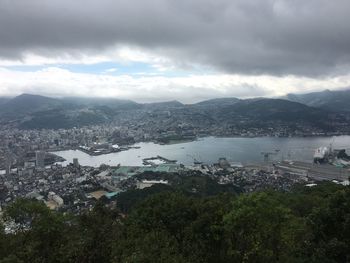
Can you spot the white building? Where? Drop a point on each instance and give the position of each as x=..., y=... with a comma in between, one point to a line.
x=148, y=183
x=54, y=197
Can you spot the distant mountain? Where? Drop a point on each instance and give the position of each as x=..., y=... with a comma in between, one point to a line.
x=3, y=100
x=105, y=102
x=38, y=112
x=218, y=102
x=163, y=105
x=62, y=118
x=273, y=109
x=330, y=100
x=27, y=103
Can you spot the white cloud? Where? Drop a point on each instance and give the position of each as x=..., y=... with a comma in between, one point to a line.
x=111, y=70
x=54, y=81
x=118, y=54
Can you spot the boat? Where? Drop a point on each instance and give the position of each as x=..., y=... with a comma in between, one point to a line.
x=321, y=155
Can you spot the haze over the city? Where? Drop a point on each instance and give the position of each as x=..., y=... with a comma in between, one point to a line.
x=161, y=50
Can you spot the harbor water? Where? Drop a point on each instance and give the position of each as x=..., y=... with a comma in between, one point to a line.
x=210, y=149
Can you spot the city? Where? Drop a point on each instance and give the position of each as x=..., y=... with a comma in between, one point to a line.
x=162, y=131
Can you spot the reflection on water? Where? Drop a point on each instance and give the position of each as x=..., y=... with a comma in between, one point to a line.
x=209, y=149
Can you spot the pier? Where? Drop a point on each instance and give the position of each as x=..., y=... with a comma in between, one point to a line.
x=156, y=160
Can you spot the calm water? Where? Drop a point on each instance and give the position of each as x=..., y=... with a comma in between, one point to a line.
x=209, y=149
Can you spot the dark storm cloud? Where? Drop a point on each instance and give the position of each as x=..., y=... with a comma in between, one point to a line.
x=236, y=36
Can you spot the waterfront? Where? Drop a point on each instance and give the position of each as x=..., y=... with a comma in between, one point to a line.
x=209, y=149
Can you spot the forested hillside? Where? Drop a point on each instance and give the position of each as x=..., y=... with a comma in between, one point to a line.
x=304, y=225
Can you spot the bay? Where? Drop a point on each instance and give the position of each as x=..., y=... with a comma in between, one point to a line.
x=210, y=149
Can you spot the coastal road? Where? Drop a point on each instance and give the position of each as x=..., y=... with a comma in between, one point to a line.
x=316, y=171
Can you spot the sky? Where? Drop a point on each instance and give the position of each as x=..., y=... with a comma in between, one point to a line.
x=158, y=50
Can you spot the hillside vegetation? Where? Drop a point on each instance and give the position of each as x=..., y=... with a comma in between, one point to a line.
x=304, y=225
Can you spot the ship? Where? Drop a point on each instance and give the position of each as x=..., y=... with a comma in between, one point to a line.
x=321, y=155
x=337, y=157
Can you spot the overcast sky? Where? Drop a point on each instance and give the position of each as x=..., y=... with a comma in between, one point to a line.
x=187, y=50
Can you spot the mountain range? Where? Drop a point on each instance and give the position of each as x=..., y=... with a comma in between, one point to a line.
x=331, y=100
x=35, y=111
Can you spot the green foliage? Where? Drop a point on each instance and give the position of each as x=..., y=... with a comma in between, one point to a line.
x=257, y=229
x=183, y=228
x=204, y=186
x=2, y=240
x=330, y=222
x=11, y=259
x=193, y=185
x=167, y=225
x=94, y=236
x=25, y=213
x=129, y=199
x=40, y=235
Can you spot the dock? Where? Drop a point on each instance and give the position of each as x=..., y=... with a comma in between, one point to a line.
x=156, y=160
x=319, y=172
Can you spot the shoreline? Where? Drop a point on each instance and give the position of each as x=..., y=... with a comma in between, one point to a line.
x=210, y=149
x=174, y=142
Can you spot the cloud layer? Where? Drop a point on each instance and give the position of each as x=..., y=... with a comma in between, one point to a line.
x=188, y=89
x=270, y=37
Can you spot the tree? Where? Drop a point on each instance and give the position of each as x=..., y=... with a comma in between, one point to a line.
x=330, y=225
x=257, y=229
x=95, y=234
x=39, y=234
x=173, y=227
